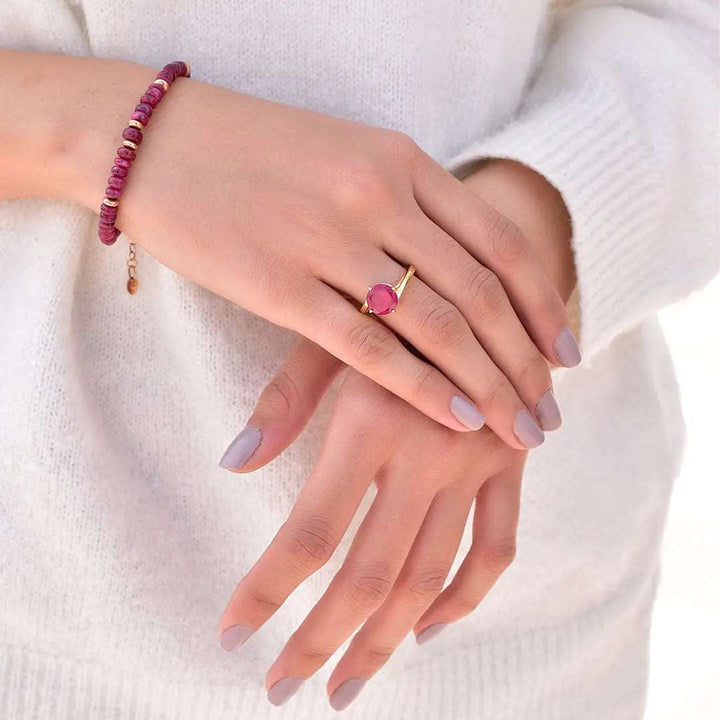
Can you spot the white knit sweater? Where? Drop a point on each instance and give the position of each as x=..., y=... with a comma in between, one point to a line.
x=121, y=539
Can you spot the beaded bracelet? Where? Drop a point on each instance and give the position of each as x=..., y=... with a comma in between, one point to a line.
x=132, y=137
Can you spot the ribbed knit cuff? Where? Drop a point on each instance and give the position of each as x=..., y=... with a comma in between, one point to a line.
x=586, y=144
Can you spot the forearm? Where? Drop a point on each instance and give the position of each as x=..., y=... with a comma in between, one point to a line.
x=60, y=118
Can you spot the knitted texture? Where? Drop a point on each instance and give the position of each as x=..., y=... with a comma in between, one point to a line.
x=122, y=540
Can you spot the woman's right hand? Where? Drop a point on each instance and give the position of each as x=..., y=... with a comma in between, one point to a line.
x=291, y=214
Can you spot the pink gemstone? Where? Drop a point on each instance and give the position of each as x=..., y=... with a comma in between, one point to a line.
x=116, y=182
x=122, y=162
x=144, y=108
x=150, y=100
x=125, y=153
x=119, y=170
x=141, y=117
x=132, y=134
x=156, y=91
x=113, y=193
x=382, y=299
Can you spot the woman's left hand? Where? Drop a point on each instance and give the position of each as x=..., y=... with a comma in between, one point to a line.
x=391, y=581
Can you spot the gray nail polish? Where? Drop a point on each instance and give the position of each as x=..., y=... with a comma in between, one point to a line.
x=430, y=632
x=235, y=636
x=241, y=448
x=527, y=430
x=346, y=693
x=466, y=413
x=284, y=689
x=566, y=348
x=548, y=412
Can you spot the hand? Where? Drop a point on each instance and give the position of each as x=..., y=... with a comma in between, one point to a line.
x=286, y=211
x=392, y=579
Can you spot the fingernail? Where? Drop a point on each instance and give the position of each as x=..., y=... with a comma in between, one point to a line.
x=567, y=350
x=346, y=693
x=241, y=448
x=430, y=632
x=548, y=412
x=284, y=689
x=466, y=413
x=527, y=430
x=235, y=636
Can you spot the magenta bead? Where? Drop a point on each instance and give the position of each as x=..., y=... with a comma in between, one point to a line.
x=121, y=162
x=150, y=100
x=181, y=67
x=119, y=171
x=141, y=117
x=155, y=91
x=132, y=134
x=125, y=153
x=107, y=211
x=167, y=75
x=116, y=182
x=144, y=108
x=107, y=237
x=113, y=193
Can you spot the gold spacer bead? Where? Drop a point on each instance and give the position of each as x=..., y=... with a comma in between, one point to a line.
x=109, y=202
x=130, y=144
x=162, y=83
x=187, y=65
x=136, y=124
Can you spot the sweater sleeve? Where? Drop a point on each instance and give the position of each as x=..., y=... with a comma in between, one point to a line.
x=622, y=119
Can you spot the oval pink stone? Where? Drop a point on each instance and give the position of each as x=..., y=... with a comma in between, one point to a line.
x=382, y=299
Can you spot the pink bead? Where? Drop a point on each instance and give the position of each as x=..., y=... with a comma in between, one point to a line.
x=125, y=153
x=181, y=67
x=108, y=237
x=144, y=108
x=113, y=193
x=122, y=162
x=382, y=299
x=167, y=75
x=119, y=171
x=150, y=100
x=155, y=91
x=116, y=182
x=107, y=211
x=132, y=134
x=141, y=117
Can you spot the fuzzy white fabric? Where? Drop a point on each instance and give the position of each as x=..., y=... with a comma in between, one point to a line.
x=121, y=538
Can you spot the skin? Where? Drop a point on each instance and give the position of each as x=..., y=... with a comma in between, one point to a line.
x=292, y=215
x=392, y=580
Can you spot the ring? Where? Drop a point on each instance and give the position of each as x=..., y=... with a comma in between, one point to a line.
x=383, y=298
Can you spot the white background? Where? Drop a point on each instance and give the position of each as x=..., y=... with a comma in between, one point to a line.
x=685, y=650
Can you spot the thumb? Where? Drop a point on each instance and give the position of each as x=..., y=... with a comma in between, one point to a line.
x=284, y=407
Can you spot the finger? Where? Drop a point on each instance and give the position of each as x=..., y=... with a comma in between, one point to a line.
x=500, y=245
x=376, y=352
x=493, y=549
x=307, y=539
x=438, y=329
x=284, y=407
x=417, y=586
x=361, y=585
x=478, y=293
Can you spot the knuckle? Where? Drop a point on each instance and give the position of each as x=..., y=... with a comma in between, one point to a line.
x=497, y=392
x=534, y=374
x=360, y=186
x=499, y=556
x=269, y=604
x=370, y=344
x=400, y=144
x=281, y=394
x=442, y=323
x=486, y=293
x=310, y=543
x=508, y=244
x=369, y=585
x=427, y=583
x=377, y=655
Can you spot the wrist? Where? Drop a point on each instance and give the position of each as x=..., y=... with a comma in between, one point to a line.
x=59, y=139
